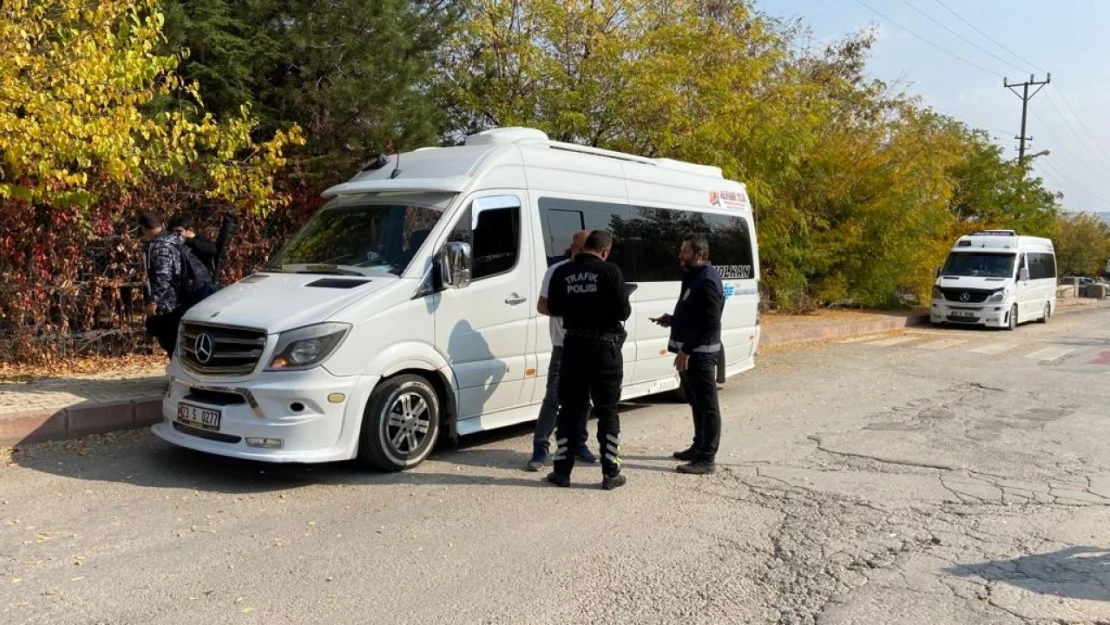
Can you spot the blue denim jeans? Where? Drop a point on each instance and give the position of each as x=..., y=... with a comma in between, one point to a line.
x=549, y=411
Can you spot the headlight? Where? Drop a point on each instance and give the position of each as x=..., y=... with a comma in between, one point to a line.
x=307, y=347
x=999, y=296
x=937, y=293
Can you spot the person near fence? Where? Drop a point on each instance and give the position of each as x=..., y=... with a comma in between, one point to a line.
x=205, y=250
x=212, y=254
x=176, y=280
x=696, y=341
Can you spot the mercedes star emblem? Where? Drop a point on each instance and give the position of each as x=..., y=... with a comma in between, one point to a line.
x=965, y=296
x=203, y=348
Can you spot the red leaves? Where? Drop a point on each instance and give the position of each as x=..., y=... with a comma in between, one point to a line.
x=72, y=282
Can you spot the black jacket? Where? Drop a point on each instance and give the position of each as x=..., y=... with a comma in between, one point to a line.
x=590, y=296
x=696, y=322
x=205, y=251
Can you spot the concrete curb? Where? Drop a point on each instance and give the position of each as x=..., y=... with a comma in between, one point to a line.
x=84, y=419
x=77, y=421
x=775, y=336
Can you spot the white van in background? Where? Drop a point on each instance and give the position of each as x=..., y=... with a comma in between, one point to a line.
x=406, y=307
x=996, y=278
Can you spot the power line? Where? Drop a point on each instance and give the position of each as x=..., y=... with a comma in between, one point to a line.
x=1063, y=95
x=942, y=49
x=1080, y=121
x=1078, y=137
x=991, y=39
x=961, y=37
x=1066, y=147
x=1075, y=185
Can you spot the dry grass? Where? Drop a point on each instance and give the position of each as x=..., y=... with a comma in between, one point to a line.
x=90, y=366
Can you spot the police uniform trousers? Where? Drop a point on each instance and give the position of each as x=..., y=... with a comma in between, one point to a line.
x=699, y=381
x=591, y=369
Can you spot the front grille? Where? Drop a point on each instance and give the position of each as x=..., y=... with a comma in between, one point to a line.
x=214, y=398
x=234, y=351
x=974, y=296
x=963, y=319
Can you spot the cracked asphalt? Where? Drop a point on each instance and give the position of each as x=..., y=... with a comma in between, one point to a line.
x=943, y=476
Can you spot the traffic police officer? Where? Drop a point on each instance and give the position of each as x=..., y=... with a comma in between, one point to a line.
x=590, y=296
x=696, y=339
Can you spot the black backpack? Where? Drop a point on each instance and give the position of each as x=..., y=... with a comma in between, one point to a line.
x=195, y=282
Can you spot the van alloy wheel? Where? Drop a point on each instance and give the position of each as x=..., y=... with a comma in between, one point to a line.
x=1047, y=312
x=1013, y=318
x=408, y=424
x=401, y=423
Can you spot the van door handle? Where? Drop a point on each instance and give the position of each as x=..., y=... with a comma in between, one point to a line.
x=515, y=299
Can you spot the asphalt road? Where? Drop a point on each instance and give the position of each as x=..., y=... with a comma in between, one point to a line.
x=930, y=477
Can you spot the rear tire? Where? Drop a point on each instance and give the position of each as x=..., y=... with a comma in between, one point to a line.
x=401, y=423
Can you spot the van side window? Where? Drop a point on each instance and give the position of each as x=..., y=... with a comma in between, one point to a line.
x=1041, y=266
x=655, y=236
x=646, y=240
x=560, y=218
x=494, y=244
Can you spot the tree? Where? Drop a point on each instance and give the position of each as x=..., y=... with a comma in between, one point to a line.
x=352, y=73
x=1082, y=245
x=75, y=83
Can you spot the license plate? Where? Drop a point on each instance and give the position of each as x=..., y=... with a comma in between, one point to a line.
x=963, y=313
x=195, y=416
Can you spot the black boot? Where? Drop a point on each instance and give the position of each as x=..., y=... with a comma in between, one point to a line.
x=687, y=455
x=609, y=482
x=558, y=479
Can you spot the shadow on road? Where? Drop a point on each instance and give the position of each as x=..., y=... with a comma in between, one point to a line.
x=1072, y=573
x=138, y=458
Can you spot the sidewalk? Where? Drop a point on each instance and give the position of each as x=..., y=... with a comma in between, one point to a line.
x=75, y=406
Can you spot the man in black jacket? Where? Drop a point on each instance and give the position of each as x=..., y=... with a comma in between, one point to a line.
x=205, y=250
x=589, y=294
x=696, y=339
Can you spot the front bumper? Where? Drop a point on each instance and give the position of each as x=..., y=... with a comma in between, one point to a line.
x=992, y=315
x=315, y=415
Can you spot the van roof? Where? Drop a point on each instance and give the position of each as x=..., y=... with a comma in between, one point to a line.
x=451, y=169
x=1000, y=241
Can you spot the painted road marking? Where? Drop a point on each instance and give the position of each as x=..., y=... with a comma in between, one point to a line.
x=941, y=344
x=1102, y=359
x=994, y=348
x=898, y=340
x=1050, y=353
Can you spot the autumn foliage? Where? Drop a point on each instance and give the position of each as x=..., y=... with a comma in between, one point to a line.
x=113, y=107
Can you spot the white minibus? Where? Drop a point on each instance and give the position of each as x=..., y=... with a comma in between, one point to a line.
x=404, y=312
x=996, y=278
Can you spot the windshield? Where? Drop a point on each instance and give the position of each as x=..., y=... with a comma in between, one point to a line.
x=366, y=238
x=979, y=265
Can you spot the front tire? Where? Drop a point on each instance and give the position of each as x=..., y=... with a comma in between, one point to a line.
x=1047, y=312
x=401, y=424
x=1013, y=318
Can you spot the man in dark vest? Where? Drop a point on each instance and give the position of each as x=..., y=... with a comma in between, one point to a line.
x=696, y=341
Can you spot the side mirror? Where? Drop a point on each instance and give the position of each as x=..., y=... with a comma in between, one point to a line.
x=493, y=202
x=454, y=265
x=1024, y=274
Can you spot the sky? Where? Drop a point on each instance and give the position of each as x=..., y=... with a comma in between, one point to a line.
x=1070, y=39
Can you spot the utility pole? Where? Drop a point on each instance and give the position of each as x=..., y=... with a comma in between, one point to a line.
x=1025, y=97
